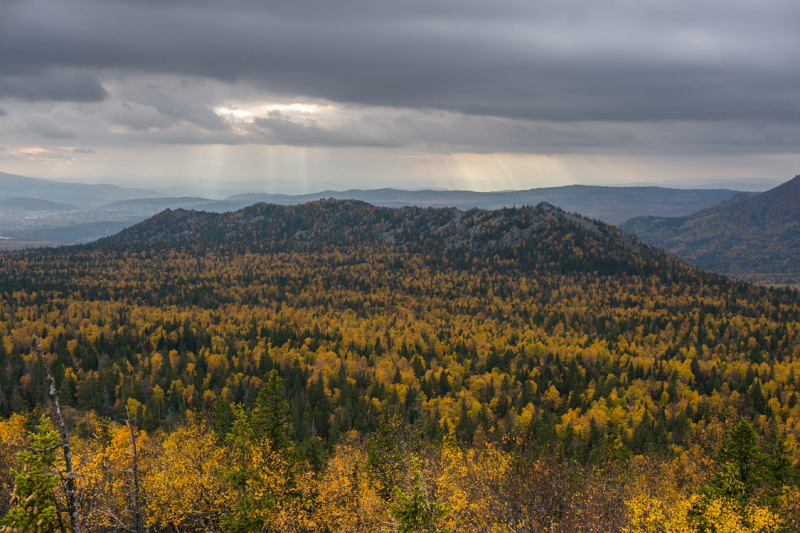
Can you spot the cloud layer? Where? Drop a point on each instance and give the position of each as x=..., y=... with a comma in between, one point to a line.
x=682, y=77
x=572, y=60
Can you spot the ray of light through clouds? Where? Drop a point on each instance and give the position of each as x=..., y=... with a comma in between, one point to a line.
x=300, y=96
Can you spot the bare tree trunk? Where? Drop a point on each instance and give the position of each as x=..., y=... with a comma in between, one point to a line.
x=72, y=500
x=137, y=513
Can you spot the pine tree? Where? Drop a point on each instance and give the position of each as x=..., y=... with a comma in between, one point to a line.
x=34, y=506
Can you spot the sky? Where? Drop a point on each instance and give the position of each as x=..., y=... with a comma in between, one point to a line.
x=301, y=95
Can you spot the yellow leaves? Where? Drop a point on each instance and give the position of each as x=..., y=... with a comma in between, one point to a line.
x=8, y=343
x=553, y=397
x=155, y=362
x=733, y=399
x=186, y=485
x=218, y=344
x=401, y=390
x=133, y=404
x=176, y=387
x=173, y=355
x=357, y=313
x=664, y=400
x=12, y=432
x=656, y=504
x=325, y=364
x=103, y=474
x=571, y=415
x=217, y=361
x=25, y=382
x=348, y=499
x=523, y=421
x=790, y=507
x=464, y=474
x=775, y=405
x=158, y=393
x=12, y=438
x=653, y=515
x=188, y=394
x=724, y=516
x=209, y=398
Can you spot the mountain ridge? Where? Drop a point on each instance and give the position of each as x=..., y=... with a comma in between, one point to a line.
x=756, y=239
x=80, y=194
x=23, y=202
x=541, y=237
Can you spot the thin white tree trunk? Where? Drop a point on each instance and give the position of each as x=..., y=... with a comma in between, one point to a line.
x=137, y=513
x=72, y=499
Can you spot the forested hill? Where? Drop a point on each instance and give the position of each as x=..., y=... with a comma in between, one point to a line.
x=540, y=237
x=752, y=238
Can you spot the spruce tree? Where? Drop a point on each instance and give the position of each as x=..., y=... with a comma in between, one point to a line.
x=270, y=416
x=414, y=511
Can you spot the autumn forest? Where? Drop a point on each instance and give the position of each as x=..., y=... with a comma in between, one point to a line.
x=339, y=367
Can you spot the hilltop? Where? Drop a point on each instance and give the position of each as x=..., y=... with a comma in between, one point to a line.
x=534, y=237
x=752, y=238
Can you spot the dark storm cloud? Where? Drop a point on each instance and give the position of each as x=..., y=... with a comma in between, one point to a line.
x=557, y=61
x=54, y=85
x=3, y=113
x=487, y=134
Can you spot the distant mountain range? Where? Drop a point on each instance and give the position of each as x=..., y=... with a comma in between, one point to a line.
x=755, y=238
x=609, y=204
x=54, y=212
x=79, y=194
x=33, y=204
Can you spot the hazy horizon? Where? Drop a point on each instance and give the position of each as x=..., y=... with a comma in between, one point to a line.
x=224, y=189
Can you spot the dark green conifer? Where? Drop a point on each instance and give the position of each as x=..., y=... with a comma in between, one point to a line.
x=270, y=416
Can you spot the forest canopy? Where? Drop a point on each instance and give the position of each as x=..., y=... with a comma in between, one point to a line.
x=345, y=366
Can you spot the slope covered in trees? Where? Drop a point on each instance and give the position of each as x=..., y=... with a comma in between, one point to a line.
x=506, y=356
x=752, y=238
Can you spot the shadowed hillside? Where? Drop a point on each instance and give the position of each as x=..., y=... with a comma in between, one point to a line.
x=751, y=238
x=538, y=237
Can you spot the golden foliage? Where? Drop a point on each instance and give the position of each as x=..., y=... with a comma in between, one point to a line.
x=185, y=485
x=348, y=501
